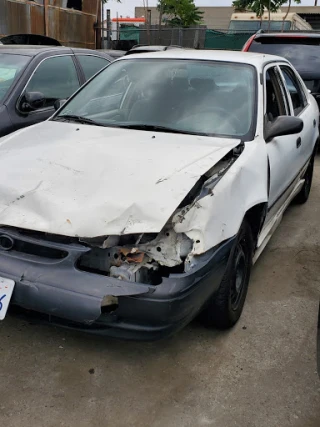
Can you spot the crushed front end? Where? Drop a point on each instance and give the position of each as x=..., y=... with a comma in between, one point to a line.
x=118, y=289
x=135, y=286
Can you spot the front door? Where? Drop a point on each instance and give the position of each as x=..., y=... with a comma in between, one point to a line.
x=56, y=78
x=300, y=108
x=282, y=150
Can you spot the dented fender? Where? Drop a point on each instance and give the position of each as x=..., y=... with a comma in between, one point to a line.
x=218, y=216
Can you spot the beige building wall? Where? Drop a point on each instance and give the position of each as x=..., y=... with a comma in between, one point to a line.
x=219, y=17
x=213, y=17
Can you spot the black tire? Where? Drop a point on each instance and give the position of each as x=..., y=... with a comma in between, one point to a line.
x=304, y=193
x=224, y=308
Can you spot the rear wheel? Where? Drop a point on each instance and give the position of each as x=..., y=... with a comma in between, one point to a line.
x=304, y=193
x=225, y=307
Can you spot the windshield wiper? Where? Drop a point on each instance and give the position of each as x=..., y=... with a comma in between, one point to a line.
x=78, y=119
x=157, y=128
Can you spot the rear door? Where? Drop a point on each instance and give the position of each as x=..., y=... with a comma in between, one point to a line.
x=300, y=107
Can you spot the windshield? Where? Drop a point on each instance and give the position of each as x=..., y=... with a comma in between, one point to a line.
x=10, y=68
x=198, y=97
x=259, y=25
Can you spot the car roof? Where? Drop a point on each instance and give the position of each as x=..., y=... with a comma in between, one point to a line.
x=256, y=59
x=33, y=50
x=112, y=52
x=30, y=50
x=153, y=48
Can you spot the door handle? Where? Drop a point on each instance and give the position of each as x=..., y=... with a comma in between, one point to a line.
x=298, y=142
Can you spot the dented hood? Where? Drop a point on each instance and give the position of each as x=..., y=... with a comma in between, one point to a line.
x=88, y=181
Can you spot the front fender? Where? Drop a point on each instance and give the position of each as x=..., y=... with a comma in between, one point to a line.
x=5, y=121
x=218, y=216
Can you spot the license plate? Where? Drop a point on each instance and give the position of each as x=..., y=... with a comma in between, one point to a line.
x=6, y=289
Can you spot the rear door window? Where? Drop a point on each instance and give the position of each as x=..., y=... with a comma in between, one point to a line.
x=297, y=95
x=91, y=64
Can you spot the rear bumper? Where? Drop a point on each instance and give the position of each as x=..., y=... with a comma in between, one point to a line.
x=72, y=298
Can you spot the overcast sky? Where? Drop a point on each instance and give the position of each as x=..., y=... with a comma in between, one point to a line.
x=126, y=8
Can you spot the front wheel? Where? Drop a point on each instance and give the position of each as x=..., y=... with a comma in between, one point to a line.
x=225, y=307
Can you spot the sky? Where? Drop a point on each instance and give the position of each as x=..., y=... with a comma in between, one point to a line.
x=126, y=7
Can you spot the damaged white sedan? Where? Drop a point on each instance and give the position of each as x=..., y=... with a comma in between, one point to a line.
x=146, y=198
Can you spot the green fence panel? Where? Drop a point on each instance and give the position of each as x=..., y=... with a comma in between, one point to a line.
x=219, y=40
x=213, y=39
x=130, y=33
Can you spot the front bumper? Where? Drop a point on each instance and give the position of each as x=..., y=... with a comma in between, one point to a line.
x=54, y=286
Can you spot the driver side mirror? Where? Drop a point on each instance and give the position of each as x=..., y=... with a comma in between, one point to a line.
x=281, y=126
x=32, y=101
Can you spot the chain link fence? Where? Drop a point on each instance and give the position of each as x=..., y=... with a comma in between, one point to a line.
x=201, y=37
x=197, y=38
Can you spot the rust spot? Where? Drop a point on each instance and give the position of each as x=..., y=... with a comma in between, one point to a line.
x=125, y=251
x=137, y=257
x=68, y=221
x=132, y=255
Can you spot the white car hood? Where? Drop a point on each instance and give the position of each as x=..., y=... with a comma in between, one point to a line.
x=87, y=181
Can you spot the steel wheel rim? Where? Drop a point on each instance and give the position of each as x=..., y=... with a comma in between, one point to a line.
x=239, y=277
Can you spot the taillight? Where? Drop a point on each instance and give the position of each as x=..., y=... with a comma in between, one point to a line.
x=248, y=44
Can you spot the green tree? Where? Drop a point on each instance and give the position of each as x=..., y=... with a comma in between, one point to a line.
x=182, y=13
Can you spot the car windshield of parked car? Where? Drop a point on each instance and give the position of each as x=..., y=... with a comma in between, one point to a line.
x=183, y=96
x=10, y=68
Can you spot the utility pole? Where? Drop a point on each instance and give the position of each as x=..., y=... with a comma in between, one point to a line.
x=46, y=18
x=147, y=15
x=118, y=27
x=102, y=25
x=160, y=20
x=149, y=26
x=109, y=29
x=98, y=26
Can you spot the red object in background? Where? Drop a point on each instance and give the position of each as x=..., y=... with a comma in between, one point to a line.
x=248, y=43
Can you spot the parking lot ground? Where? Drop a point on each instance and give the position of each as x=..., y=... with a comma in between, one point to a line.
x=262, y=373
